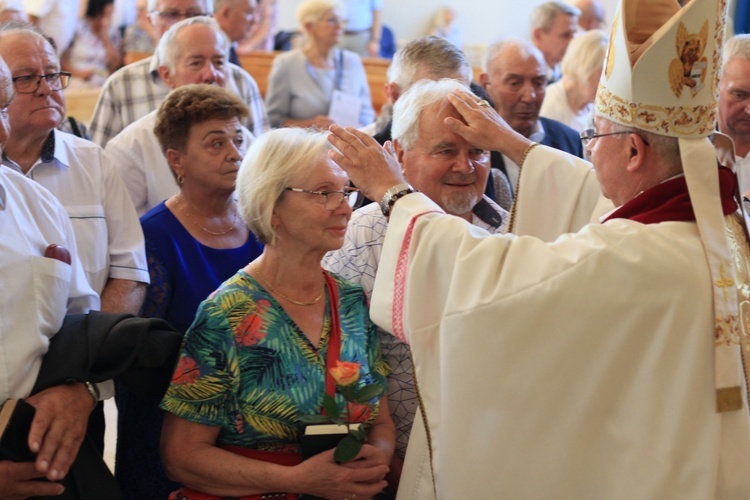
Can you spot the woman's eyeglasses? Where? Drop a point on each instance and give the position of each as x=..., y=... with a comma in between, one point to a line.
x=333, y=199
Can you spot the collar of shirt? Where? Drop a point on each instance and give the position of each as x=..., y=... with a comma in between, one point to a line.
x=537, y=132
x=50, y=153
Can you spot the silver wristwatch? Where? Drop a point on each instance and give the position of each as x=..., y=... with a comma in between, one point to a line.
x=93, y=390
x=392, y=194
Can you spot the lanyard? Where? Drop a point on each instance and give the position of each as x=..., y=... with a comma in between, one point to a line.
x=334, y=338
x=339, y=72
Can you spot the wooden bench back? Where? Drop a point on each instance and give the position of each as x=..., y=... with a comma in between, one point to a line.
x=258, y=64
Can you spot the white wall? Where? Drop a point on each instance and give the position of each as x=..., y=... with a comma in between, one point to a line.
x=482, y=21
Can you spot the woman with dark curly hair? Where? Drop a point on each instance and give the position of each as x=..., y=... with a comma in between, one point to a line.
x=195, y=240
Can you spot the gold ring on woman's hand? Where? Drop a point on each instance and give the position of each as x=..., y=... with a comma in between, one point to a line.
x=484, y=102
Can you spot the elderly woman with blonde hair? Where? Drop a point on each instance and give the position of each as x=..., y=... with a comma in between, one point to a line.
x=571, y=99
x=257, y=359
x=304, y=82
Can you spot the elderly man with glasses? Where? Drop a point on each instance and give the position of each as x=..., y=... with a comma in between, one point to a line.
x=137, y=89
x=106, y=226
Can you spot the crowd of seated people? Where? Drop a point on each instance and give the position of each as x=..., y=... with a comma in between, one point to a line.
x=215, y=209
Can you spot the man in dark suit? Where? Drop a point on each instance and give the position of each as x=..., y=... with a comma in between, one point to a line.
x=514, y=77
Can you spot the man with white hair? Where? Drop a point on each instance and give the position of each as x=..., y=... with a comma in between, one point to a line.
x=425, y=57
x=433, y=58
x=110, y=240
x=192, y=51
x=137, y=89
x=611, y=363
x=450, y=171
x=734, y=104
x=553, y=26
x=592, y=14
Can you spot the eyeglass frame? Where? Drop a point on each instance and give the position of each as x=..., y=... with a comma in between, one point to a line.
x=345, y=194
x=177, y=15
x=586, y=138
x=48, y=77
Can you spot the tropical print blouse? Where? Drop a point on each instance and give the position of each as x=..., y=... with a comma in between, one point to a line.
x=246, y=367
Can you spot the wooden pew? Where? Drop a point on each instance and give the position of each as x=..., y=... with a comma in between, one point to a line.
x=258, y=64
x=80, y=103
x=377, y=76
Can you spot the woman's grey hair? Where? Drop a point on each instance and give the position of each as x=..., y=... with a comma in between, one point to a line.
x=407, y=112
x=168, y=49
x=585, y=55
x=737, y=46
x=311, y=10
x=208, y=4
x=441, y=58
x=545, y=14
x=269, y=165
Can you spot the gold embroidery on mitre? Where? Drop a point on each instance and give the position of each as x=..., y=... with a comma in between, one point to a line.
x=664, y=120
x=689, y=69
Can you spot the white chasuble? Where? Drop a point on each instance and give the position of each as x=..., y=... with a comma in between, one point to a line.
x=557, y=198
x=577, y=369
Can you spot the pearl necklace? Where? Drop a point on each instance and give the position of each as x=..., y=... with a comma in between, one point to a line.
x=297, y=302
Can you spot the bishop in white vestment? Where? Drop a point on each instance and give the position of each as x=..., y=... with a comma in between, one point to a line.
x=607, y=364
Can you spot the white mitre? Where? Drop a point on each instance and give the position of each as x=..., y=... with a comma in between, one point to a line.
x=661, y=76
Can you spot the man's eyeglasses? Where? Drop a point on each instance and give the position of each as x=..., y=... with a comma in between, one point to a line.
x=333, y=199
x=590, y=134
x=28, y=84
x=175, y=15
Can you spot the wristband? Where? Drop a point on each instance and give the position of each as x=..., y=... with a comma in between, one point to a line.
x=392, y=194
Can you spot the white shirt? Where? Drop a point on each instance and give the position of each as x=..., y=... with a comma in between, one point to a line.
x=142, y=165
x=108, y=234
x=37, y=291
x=556, y=107
x=135, y=90
x=57, y=19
